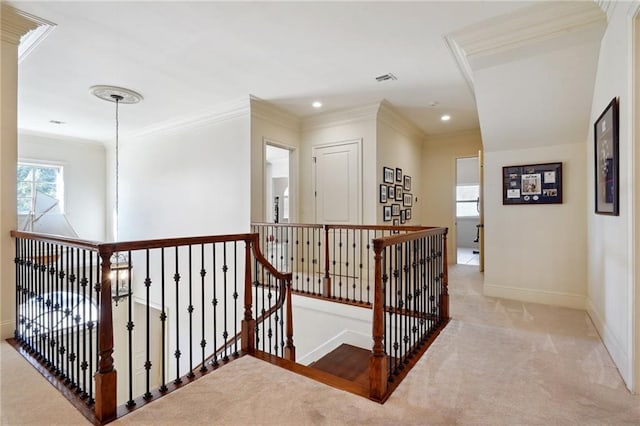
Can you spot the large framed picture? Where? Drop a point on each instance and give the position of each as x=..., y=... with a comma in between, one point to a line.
x=607, y=162
x=532, y=184
x=383, y=193
x=386, y=213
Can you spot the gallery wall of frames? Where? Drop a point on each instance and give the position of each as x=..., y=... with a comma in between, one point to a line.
x=395, y=196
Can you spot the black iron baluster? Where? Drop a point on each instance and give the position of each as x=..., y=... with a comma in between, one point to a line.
x=340, y=263
x=387, y=302
x=369, y=254
x=225, y=333
x=190, y=310
x=407, y=299
x=177, y=353
x=281, y=320
x=264, y=286
x=90, y=326
x=17, y=260
x=398, y=301
x=163, y=317
x=214, y=302
x=65, y=326
x=147, y=364
x=297, y=250
x=203, y=341
x=84, y=363
x=310, y=260
x=130, y=325
x=235, y=298
x=75, y=319
x=269, y=299
x=256, y=283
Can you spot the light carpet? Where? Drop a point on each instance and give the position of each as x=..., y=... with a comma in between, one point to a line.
x=497, y=362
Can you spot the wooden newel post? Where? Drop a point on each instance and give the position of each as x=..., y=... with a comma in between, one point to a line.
x=378, y=363
x=445, y=278
x=326, y=282
x=289, y=349
x=105, y=377
x=248, y=336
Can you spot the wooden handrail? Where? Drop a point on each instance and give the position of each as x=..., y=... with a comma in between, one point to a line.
x=288, y=225
x=380, y=243
x=57, y=239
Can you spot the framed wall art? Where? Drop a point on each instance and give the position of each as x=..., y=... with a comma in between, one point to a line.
x=607, y=161
x=398, y=174
x=387, y=174
x=383, y=193
x=398, y=192
x=391, y=193
x=408, y=200
x=386, y=213
x=407, y=183
x=395, y=209
x=532, y=184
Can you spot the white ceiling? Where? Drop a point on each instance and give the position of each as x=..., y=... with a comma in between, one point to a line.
x=188, y=58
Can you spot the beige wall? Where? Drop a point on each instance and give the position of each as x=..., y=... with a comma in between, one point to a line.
x=612, y=256
x=357, y=124
x=399, y=144
x=537, y=253
x=271, y=124
x=437, y=198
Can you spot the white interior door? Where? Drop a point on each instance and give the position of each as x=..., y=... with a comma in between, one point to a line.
x=337, y=183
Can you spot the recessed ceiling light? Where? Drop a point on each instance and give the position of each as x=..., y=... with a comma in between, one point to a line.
x=317, y=104
x=445, y=117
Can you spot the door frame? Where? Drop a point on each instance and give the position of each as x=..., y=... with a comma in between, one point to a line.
x=454, y=241
x=314, y=148
x=293, y=178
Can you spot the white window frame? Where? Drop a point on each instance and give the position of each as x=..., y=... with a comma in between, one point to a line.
x=59, y=184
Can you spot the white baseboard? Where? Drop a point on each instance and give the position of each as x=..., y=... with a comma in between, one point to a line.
x=620, y=357
x=7, y=328
x=555, y=298
x=345, y=336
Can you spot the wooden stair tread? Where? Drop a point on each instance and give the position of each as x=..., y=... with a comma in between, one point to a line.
x=348, y=362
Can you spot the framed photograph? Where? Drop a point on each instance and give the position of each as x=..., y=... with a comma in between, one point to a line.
x=391, y=192
x=395, y=209
x=607, y=161
x=407, y=200
x=407, y=214
x=398, y=192
x=383, y=193
x=386, y=213
x=403, y=216
x=387, y=175
x=532, y=184
x=407, y=183
x=398, y=175
x=396, y=222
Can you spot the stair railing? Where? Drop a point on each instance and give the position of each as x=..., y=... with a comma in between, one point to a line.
x=217, y=291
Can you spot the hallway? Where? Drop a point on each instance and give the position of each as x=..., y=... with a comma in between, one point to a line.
x=497, y=362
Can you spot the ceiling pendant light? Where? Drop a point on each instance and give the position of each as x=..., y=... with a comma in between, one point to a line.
x=120, y=262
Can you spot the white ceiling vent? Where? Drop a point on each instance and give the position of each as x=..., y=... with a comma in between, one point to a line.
x=385, y=77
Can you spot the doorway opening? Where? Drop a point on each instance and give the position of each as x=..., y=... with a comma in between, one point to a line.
x=277, y=179
x=468, y=211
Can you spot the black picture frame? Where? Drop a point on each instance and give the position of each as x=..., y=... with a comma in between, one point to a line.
x=383, y=193
x=391, y=193
x=532, y=184
x=386, y=213
x=398, y=193
x=403, y=216
x=607, y=161
x=406, y=183
x=407, y=214
x=407, y=200
x=396, y=222
x=395, y=209
x=387, y=175
x=398, y=174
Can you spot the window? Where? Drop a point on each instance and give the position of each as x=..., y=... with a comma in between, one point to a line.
x=467, y=200
x=38, y=178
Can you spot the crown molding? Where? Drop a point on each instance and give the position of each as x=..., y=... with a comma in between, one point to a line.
x=389, y=116
x=443, y=137
x=341, y=117
x=269, y=112
x=223, y=112
x=61, y=138
x=484, y=42
x=16, y=23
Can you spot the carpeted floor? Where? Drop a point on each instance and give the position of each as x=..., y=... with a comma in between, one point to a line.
x=497, y=362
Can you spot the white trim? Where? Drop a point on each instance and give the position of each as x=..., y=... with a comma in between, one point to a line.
x=342, y=117
x=271, y=113
x=392, y=118
x=224, y=112
x=546, y=297
x=62, y=138
x=15, y=24
x=611, y=343
x=8, y=329
x=345, y=336
x=460, y=56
